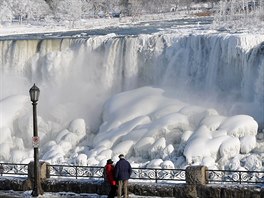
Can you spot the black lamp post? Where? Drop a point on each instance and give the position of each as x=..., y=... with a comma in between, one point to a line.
x=34, y=95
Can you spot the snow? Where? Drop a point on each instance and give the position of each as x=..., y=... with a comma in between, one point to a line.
x=27, y=194
x=133, y=129
x=152, y=125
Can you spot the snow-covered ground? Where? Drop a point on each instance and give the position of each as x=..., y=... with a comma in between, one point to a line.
x=241, y=24
x=27, y=194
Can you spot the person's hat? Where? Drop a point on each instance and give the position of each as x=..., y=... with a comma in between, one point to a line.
x=121, y=156
x=109, y=161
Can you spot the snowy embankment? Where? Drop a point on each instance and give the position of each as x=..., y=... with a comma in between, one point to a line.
x=241, y=24
x=17, y=28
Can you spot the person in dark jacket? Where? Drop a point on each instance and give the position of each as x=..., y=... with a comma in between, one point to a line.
x=123, y=171
x=110, y=177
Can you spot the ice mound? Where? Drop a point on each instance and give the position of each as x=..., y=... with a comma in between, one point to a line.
x=147, y=124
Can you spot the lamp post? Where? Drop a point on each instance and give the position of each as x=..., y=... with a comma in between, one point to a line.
x=34, y=95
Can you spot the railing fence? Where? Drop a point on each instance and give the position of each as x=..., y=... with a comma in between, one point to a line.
x=150, y=174
x=98, y=172
x=229, y=176
x=10, y=169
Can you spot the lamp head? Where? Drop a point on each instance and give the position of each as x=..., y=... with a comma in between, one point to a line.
x=34, y=93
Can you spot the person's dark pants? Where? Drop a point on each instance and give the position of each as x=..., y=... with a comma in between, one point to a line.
x=112, y=192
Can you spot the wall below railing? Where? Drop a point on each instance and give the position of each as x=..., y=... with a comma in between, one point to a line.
x=142, y=189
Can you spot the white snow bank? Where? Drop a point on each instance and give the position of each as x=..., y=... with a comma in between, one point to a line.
x=240, y=126
x=203, y=136
x=11, y=107
x=144, y=124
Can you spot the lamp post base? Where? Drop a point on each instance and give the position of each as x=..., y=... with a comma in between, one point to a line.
x=35, y=193
x=42, y=174
x=37, y=190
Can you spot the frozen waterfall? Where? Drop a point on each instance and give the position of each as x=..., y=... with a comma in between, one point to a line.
x=225, y=71
x=77, y=76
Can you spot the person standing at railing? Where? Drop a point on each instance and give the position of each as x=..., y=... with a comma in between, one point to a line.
x=123, y=172
x=110, y=177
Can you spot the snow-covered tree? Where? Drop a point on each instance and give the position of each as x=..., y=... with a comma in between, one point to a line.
x=37, y=9
x=67, y=10
x=6, y=13
x=125, y=9
x=23, y=10
x=20, y=9
x=240, y=13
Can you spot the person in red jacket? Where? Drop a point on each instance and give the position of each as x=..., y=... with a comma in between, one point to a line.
x=110, y=177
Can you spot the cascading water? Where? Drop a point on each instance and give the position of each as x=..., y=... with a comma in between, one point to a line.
x=76, y=76
x=224, y=65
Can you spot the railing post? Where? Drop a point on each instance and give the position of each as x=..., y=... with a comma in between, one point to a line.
x=156, y=175
x=44, y=170
x=1, y=169
x=76, y=172
x=196, y=175
x=240, y=178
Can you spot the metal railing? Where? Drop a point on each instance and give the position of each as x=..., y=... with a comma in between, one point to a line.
x=13, y=169
x=94, y=172
x=175, y=175
x=76, y=171
x=229, y=176
x=150, y=174
x=98, y=172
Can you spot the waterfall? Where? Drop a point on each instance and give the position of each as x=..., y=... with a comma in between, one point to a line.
x=220, y=69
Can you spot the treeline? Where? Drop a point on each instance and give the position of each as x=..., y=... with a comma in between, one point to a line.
x=73, y=10
x=76, y=9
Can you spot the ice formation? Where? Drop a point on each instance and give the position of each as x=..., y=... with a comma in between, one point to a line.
x=164, y=100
